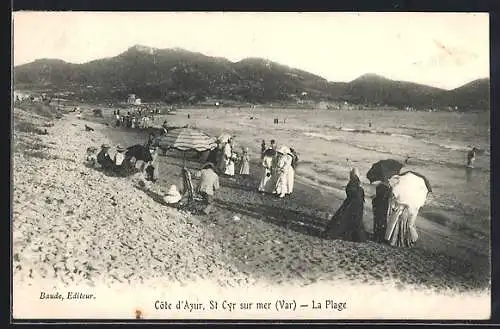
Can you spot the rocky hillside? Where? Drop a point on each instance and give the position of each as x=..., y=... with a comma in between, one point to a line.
x=176, y=75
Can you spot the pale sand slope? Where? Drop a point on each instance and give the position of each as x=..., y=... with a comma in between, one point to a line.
x=75, y=225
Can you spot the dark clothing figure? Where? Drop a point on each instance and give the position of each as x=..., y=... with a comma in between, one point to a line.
x=105, y=160
x=471, y=156
x=151, y=174
x=380, y=205
x=347, y=222
x=295, y=159
x=150, y=141
x=127, y=167
x=213, y=156
x=262, y=149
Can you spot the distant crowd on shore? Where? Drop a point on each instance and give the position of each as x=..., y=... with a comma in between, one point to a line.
x=139, y=118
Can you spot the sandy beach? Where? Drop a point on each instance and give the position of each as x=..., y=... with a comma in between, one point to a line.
x=74, y=225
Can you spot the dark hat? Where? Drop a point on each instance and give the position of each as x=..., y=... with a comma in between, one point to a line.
x=208, y=165
x=120, y=149
x=105, y=146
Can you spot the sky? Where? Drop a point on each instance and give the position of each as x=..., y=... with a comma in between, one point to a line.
x=444, y=50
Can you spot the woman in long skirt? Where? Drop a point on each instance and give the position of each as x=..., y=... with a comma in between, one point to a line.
x=380, y=206
x=347, y=222
x=245, y=163
x=401, y=231
x=229, y=159
x=221, y=163
x=283, y=170
x=265, y=185
x=409, y=193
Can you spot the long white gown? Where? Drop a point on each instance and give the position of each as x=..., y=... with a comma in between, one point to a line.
x=265, y=186
x=409, y=194
x=228, y=160
x=284, y=183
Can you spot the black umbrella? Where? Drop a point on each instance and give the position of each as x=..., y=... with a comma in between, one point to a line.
x=140, y=152
x=270, y=152
x=383, y=170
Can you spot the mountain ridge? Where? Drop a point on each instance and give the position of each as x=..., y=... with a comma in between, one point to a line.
x=179, y=75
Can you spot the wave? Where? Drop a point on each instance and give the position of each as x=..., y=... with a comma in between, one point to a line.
x=322, y=136
x=453, y=147
x=414, y=160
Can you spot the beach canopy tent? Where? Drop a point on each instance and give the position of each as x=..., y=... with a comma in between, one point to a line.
x=187, y=139
x=383, y=170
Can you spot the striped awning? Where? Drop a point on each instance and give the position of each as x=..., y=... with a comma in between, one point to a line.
x=185, y=139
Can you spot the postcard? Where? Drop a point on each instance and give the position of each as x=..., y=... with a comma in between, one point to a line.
x=250, y=165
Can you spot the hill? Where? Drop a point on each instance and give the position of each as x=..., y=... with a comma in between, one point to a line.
x=177, y=75
x=473, y=95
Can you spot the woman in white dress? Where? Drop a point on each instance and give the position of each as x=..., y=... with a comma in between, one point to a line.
x=265, y=185
x=283, y=171
x=228, y=158
x=245, y=163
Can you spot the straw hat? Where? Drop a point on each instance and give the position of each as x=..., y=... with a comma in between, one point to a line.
x=105, y=146
x=283, y=150
x=120, y=149
x=173, y=195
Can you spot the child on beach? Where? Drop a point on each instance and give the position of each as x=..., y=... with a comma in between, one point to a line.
x=151, y=169
x=471, y=157
x=209, y=183
x=91, y=159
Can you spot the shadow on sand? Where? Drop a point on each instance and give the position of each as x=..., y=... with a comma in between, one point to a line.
x=289, y=219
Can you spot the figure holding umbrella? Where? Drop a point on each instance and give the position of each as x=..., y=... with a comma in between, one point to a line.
x=409, y=193
x=381, y=172
x=266, y=185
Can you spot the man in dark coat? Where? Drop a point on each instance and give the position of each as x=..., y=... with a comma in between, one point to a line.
x=347, y=222
x=380, y=205
x=104, y=159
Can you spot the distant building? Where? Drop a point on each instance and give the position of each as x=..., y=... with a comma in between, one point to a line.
x=137, y=101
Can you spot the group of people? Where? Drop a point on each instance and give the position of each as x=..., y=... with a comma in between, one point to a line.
x=224, y=159
x=124, y=161
x=140, y=118
x=393, y=222
x=278, y=169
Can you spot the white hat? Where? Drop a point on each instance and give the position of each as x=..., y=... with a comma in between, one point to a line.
x=173, y=195
x=284, y=150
